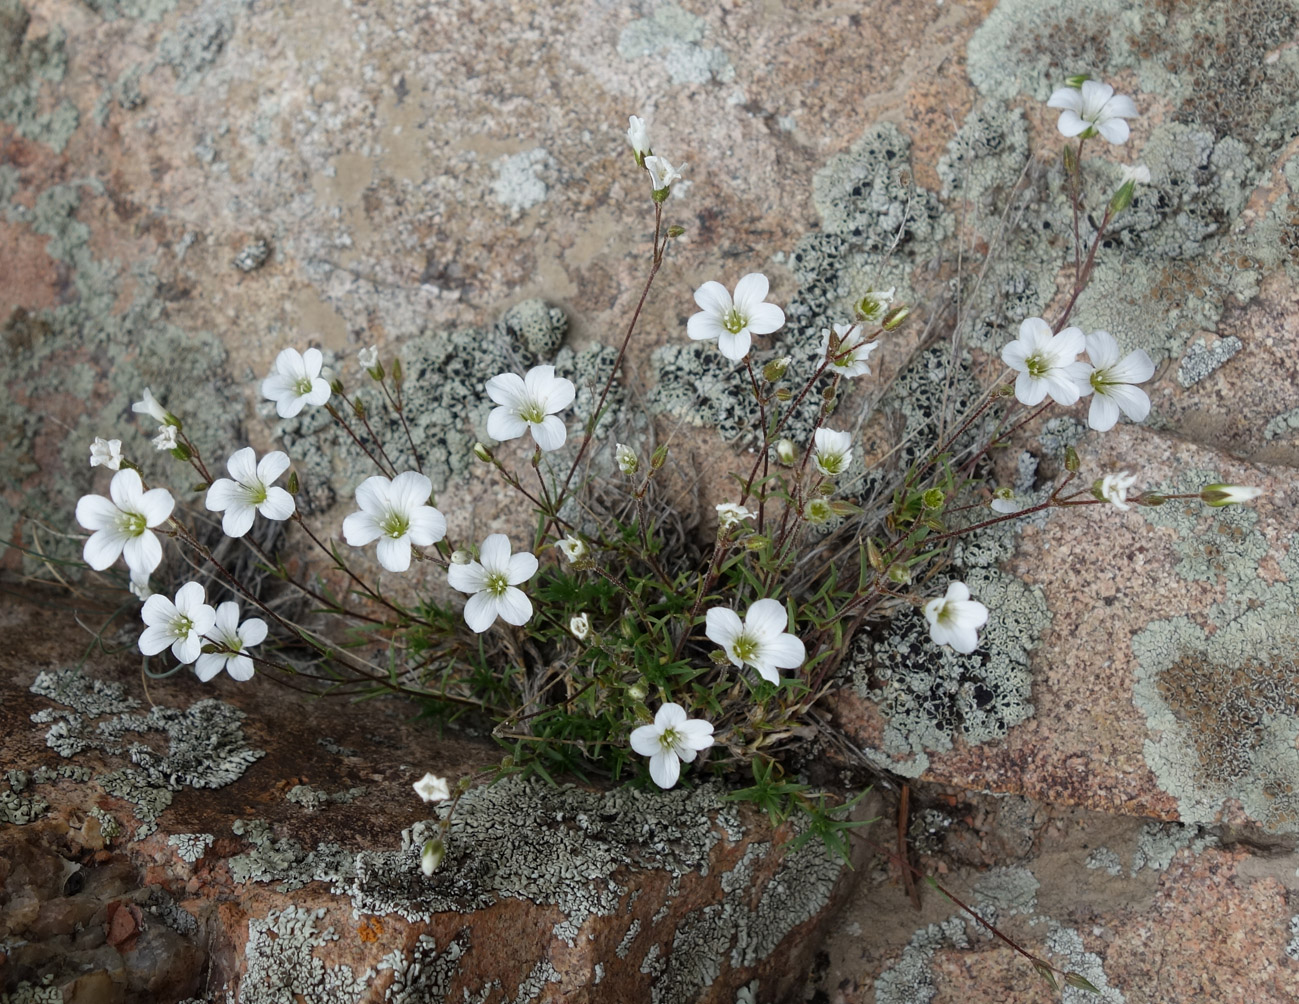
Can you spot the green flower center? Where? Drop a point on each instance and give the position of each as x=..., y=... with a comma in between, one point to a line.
x=533, y=413
x=669, y=738
x=497, y=583
x=1100, y=381
x=302, y=386
x=832, y=462
x=745, y=648
x=256, y=494
x=734, y=321
x=182, y=625
x=1037, y=366
x=133, y=523
x=395, y=525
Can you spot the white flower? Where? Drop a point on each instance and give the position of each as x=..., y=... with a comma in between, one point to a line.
x=180, y=624
x=1043, y=362
x=626, y=458
x=149, y=406
x=1004, y=501
x=580, y=626
x=761, y=641
x=638, y=137
x=227, y=631
x=140, y=588
x=122, y=525
x=430, y=857
x=955, y=619
x=831, y=452
x=1219, y=495
x=571, y=548
x=873, y=305
x=296, y=381
x=166, y=438
x=672, y=738
x=662, y=175
x=432, y=788
x=250, y=492
x=732, y=323
x=1137, y=173
x=1093, y=108
x=529, y=402
x=1114, y=488
x=106, y=453
x=368, y=357
x=730, y=514
x=850, y=359
x=1112, y=381
x=396, y=514
x=492, y=583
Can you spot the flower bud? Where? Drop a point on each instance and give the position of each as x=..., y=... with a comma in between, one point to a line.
x=1071, y=461
x=430, y=858
x=786, y=451
x=1070, y=156
x=1150, y=499
x=397, y=374
x=825, y=489
x=483, y=453
x=675, y=231
x=873, y=555
x=1123, y=197
x=783, y=394
x=181, y=452
x=626, y=459
x=659, y=458
x=933, y=498
x=202, y=486
x=899, y=574
x=572, y=548
x=294, y=485
x=1218, y=495
x=1077, y=80
x=895, y=317
x=358, y=408
x=461, y=557
x=818, y=512
x=336, y=385
x=580, y=626
x=874, y=303
x=775, y=369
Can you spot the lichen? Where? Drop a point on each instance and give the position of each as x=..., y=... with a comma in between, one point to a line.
x=280, y=966
x=206, y=747
x=283, y=859
x=671, y=36
x=910, y=980
x=1104, y=859
x=1072, y=956
x=519, y=185
x=1292, y=948
x=1008, y=890
x=191, y=846
x=1158, y=844
x=26, y=63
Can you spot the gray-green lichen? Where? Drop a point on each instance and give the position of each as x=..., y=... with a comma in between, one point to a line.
x=280, y=967
x=27, y=62
x=910, y=980
x=1222, y=705
x=519, y=181
x=1292, y=948
x=205, y=744
x=1158, y=844
x=1008, y=890
x=282, y=859
x=1104, y=859
x=672, y=38
x=191, y=846
x=1066, y=945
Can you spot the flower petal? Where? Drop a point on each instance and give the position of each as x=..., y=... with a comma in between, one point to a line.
x=722, y=625
x=242, y=465
x=1135, y=367
x=504, y=424
x=514, y=606
x=95, y=512
x=360, y=528
x=734, y=346
x=470, y=578
x=645, y=740
x=713, y=298
x=665, y=769
x=221, y=495
x=143, y=554
x=561, y=395
x=670, y=715
x=320, y=393
x=394, y=553
x=705, y=327
x=208, y=665
x=495, y=553
x=1102, y=349
x=521, y=567
x=1030, y=390
x=156, y=505
x=252, y=632
x=271, y=466
x=409, y=491
x=312, y=362
x=278, y=505
x=696, y=733
x=103, y=547
x=427, y=526
x=1066, y=97
x=238, y=519
x=766, y=318
x=549, y=434
x=750, y=291
x=1071, y=124
x=1132, y=400
x=1115, y=130
x=155, y=638
x=765, y=620
x=480, y=612
x=507, y=390
x=240, y=667
x=784, y=652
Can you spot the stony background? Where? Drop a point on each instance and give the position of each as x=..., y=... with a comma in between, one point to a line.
x=186, y=188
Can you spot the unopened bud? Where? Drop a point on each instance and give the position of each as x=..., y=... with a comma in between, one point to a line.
x=181, y=452
x=1070, y=156
x=675, y=231
x=202, y=486
x=783, y=394
x=336, y=385
x=397, y=375
x=430, y=858
x=659, y=458
x=1077, y=80
x=786, y=451
x=1071, y=461
x=294, y=484
x=1123, y=197
x=1151, y=499
x=895, y=317
x=358, y=408
x=933, y=498
x=873, y=555
x=626, y=459
x=899, y=574
x=461, y=557
x=825, y=489
x=482, y=453
x=1218, y=495
x=818, y=511
x=775, y=369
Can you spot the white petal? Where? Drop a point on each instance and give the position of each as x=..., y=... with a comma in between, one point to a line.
x=289, y=364
x=1015, y=354
x=696, y=733
x=550, y=434
x=722, y=625
x=143, y=554
x=222, y=494
x=277, y=386
x=963, y=639
x=103, y=547
x=272, y=466
x=394, y=553
x=520, y=568
x=670, y=715
x=1063, y=390
x=372, y=496
x=1071, y=124
x=514, y=607
x=238, y=519
x=734, y=347
x=155, y=638
x=1132, y=400
x=227, y=620
x=289, y=407
x=1103, y=414
x=957, y=591
x=360, y=528
x=645, y=740
x=765, y=318
x=312, y=362
x=704, y=327
x=155, y=506
x=252, y=632
x=1065, y=97
x=1121, y=106
x=409, y=491
x=470, y=578
x=507, y=390
x=158, y=611
x=320, y=393
x=1030, y=390
x=187, y=649
x=785, y=652
x=1115, y=130
x=1102, y=349
x=480, y=612
x=427, y=526
x=713, y=298
x=766, y=619
x=495, y=553
x=1066, y=346
x=1136, y=367
x=750, y=291
x=240, y=667
x=242, y=465
x=278, y=505
x=504, y=424
x=665, y=768
x=538, y=381
x=561, y=395
x=95, y=512
x=209, y=664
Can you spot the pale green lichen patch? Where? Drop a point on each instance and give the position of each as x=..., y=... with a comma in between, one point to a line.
x=27, y=62
x=911, y=980
x=1071, y=955
x=279, y=964
x=205, y=744
x=191, y=846
x=1008, y=890
x=1158, y=844
x=672, y=37
x=1105, y=860
x=285, y=860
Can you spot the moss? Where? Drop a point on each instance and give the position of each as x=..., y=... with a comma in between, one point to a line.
x=205, y=744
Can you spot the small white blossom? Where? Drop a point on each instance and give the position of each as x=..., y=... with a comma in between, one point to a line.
x=626, y=458
x=1004, y=502
x=672, y=738
x=662, y=175
x=396, y=513
x=1043, y=361
x=1219, y=495
x=250, y=492
x=850, y=359
x=731, y=323
x=571, y=548
x=493, y=583
x=166, y=438
x=832, y=452
x=150, y=406
x=122, y=525
x=227, y=631
x=638, y=137
x=1112, y=380
x=296, y=382
x=1093, y=108
x=580, y=626
x=180, y=624
x=432, y=788
x=529, y=403
x=368, y=357
x=1114, y=488
x=1137, y=173
x=873, y=305
x=761, y=640
x=430, y=857
x=106, y=453
x=955, y=619
x=730, y=514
